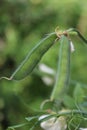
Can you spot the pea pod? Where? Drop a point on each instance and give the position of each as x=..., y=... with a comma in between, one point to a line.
x=33, y=57
x=62, y=76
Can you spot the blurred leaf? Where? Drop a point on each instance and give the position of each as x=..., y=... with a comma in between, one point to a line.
x=31, y=118
x=11, y=40
x=78, y=94
x=75, y=122
x=17, y=126
x=69, y=102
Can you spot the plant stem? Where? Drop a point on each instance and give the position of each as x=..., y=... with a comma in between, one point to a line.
x=72, y=112
x=75, y=31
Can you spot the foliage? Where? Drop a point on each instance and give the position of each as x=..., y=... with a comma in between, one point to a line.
x=22, y=24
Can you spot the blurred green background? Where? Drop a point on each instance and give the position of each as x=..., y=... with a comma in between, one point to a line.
x=22, y=24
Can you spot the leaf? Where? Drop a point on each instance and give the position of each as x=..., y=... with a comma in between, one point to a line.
x=31, y=118
x=17, y=126
x=78, y=93
x=69, y=102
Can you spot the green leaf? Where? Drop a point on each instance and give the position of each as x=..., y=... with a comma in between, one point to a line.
x=31, y=118
x=78, y=93
x=17, y=126
x=69, y=102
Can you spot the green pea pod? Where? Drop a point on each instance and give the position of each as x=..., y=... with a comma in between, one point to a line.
x=62, y=77
x=33, y=57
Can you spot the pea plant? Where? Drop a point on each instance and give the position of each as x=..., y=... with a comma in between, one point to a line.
x=57, y=117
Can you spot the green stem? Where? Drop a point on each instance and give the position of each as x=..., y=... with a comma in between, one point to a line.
x=78, y=33
x=72, y=112
x=68, y=112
